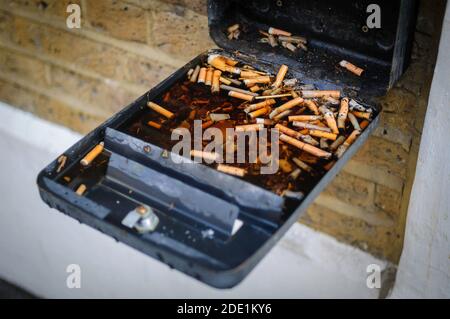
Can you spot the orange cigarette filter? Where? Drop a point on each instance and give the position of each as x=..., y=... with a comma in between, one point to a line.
x=280, y=76
x=255, y=88
x=362, y=115
x=231, y=170
x=209, y=76
x=215, y=87
x=259, y=112
x=81, y=189
x=257, y=106
x=352, y=137
x=249, y=127
x=364, y=124
x=92, y=154
x=288, y=131
x=286, y=106
x=275, y=31
x=312, y=106
x=310, y=94
x=249, y=74
x=220, y=62
x=258, y=79
x=343, y=112
x=159, y=109
x=322, y=134
x=282, y=115
x=154, y=124
x=351, y=67
x=329, y=117
x=207, y=124
x=241, y=96
x=305, y=147
x=202, y=75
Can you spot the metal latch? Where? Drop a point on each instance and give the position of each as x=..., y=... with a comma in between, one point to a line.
x=142, y=218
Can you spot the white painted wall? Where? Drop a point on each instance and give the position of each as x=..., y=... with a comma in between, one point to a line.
x=37, y=243
x=424, y=269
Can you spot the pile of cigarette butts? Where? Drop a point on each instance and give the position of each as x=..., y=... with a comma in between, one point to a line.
x=276, y=37
x=314, y=126
x=318, y=122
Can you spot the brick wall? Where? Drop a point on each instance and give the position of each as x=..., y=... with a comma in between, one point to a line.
x=79, y=77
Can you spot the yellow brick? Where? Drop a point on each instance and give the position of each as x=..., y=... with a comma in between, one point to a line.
x=22, y=66
x=119, y=19
x=180, y=32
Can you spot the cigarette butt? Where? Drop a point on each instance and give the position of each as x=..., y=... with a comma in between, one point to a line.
x=310, y=94
x=352, y=137
x=258, y=79
x=305, y=147
x=289, y=46
x=159, y=109
x=294, y=94
x=275, y=31
x=280, y=76
x=224, y=80
x=302, y=46
x=295, y=174
x=81, y=189
x=231, y=170
x=349, y=141
x=354, y=121
x=364, y=124
x=189, y=73
x=302, y=165
x=264, y=121
x=232, y=88
x=286, y=106
x=234, y=81
x=207, y=124
x=215, y=87
x=292, y=39
x=230, y=61
x=62, y=162
x=205, y=155
x=154, y=124
x=92, y=154
x=288, y=131
x=233, y=28
x=223, y=64
x=255, y=88
x=310, y=126
x=249, y=127
x=272, y=96
x=329, y=118
x=202, y=75
x=337, y=143
x=362, y=115
x=241, y=96
x=312, y=106
x=209, y=76
x=249, y=74
x=192, y=115
x=305, y=118
x=329, y=165
x=322, y=134
x=259, y=112
x=257, y=106
x=282, y=115
x=67, y=179
x=351, y=67
x=323, y=143
x=285, y=166
x=343, y=112
x=194, y=75
x=272, y=41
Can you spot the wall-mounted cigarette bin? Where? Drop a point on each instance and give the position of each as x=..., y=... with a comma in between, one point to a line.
x=215, y=222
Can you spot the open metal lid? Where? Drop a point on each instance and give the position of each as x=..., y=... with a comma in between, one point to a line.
x=336, y=30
